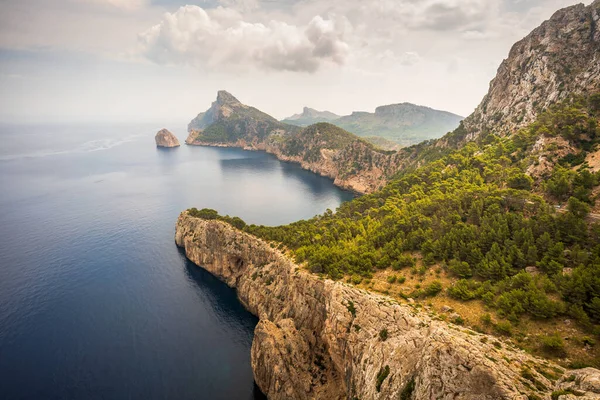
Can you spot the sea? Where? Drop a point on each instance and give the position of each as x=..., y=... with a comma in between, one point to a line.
x=96, y=300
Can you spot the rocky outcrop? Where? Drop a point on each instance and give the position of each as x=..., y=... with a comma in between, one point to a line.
x=222, y=107
x=558, y=59
x=164, y=138
x=319, y=339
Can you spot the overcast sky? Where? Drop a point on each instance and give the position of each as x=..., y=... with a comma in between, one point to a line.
x=164, y=60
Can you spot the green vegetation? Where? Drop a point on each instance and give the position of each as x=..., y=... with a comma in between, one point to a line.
x=554, y=345
x=381, y=375
x=383, y=335
x=351, y=308
x=408, y=390
x=405, y=124
x=474, y=212
x=470, y=211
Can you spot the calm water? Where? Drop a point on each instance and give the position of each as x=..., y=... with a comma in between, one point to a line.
x=96, y=301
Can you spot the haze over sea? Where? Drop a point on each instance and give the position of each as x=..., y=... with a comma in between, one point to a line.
x=96, y=301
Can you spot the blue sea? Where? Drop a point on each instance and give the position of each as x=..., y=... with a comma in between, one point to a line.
x=96, y=301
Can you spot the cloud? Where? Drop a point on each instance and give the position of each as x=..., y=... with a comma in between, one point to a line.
x=409, y=58
x=122, y=4
x=220, y=38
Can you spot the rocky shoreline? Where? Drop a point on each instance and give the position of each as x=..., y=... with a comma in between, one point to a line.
x=317, y=338
x=358, y=184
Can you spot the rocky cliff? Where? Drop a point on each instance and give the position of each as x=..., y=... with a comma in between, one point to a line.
x=558, y=59
x=165, y=138
x=323, y=148
x=320, y=339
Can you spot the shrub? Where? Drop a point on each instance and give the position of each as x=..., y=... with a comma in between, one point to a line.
x=463, y=290
x=486, y=319
x=205, y=213
x=433, y=289
x=553, y=344
x=504, y=328
x=408, y=390
x=383, y=373
x=383, y=335
x=460, y=269
x=351, y=308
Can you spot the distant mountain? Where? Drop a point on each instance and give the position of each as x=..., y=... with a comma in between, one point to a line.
x=310, y=116
x=405, y=123
x=353, y=162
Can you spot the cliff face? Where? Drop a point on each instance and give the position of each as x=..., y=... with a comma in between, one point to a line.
x=558, y=59
x=164, y=138
x=323, y=339
x=322, y=148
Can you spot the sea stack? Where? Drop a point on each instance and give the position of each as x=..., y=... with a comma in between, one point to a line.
x=164, y=138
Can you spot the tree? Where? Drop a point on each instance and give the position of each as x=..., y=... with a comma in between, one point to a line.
x=578, y=208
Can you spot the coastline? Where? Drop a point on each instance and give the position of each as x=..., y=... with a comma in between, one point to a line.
x=319, y=338
x=356, y=190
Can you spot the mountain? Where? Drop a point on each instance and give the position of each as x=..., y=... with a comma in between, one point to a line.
x=405, y=123
x=558, y=59
x=228, y=120
x=310, y=116
x=352, y=162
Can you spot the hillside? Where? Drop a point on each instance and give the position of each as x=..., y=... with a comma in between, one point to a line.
x=478, y=233
x=402, y=124
x=494, y=225
x=352, y=162
x=310, y=116
x=405, y=123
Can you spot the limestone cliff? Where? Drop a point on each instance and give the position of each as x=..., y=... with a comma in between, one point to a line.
x=319, y=339
x=164, y=138
x=558, y=59
x=323, y=148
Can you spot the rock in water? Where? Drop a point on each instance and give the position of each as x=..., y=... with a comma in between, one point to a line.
x=164, y=138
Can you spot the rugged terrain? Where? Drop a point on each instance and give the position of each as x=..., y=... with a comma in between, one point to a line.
x=401, y=124
x=558, y=59
x=498, y=218
x=323, y=339
x=325, y=149
x=165, y=138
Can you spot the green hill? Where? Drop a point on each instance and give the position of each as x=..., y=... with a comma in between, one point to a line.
x=405, y=124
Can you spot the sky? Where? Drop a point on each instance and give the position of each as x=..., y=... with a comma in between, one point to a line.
x=164, y=60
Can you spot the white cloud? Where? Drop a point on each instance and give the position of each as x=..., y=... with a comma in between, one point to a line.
x=410, y=58
x=122, y=4
x=220, y=39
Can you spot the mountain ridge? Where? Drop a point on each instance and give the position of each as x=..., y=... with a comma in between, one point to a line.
x=402, y=123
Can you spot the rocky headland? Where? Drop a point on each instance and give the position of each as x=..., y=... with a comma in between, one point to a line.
x=318, y=339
